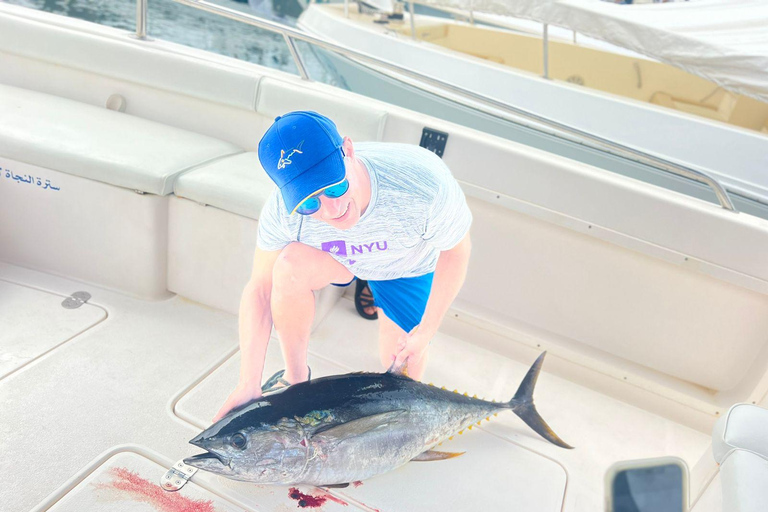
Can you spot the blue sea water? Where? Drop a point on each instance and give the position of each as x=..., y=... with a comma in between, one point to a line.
x=192, y=27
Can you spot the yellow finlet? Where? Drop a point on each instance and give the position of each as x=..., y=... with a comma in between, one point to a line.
x=470, y=427
x=461, y=432
x=466, y=394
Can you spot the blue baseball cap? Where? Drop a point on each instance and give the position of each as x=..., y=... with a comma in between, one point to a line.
x=302, y=154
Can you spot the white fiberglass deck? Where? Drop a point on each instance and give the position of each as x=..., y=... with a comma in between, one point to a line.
x=151, y=374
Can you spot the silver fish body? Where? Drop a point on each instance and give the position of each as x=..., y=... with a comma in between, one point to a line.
x=345, y=428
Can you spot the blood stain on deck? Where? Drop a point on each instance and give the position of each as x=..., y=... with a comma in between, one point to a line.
x=313, y=501
x=139, y=489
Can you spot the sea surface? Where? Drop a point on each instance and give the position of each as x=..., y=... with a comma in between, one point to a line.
x=186, y=25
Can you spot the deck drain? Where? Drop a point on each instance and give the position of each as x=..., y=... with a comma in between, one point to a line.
x=76, y=300
x=176, y=477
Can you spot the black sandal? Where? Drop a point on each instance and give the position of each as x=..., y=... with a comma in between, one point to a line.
x=363, y=302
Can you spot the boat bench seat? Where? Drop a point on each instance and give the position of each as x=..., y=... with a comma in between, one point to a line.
x=100, y=144
x=740, y=447
x=237, y=184
x=78, y=166
x=213, y=217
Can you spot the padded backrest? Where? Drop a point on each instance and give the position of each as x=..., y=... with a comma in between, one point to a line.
x=24, y=34
x=353, y=117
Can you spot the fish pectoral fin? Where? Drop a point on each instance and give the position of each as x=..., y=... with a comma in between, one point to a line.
x=435, y=455
x=335, y=486
x=360, y=426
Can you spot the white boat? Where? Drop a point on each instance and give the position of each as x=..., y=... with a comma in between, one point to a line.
x=129, y=198
x=671, y=95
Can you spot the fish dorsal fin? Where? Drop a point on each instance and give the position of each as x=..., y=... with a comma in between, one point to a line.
x=400, y=370
x=358, y=427
x=436, y=455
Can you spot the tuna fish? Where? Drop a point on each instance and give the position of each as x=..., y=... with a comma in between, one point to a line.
x=344, y=428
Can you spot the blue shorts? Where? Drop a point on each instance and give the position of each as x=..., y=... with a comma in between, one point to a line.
x=403, y=300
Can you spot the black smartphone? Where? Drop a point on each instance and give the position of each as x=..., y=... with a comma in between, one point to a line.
x=647, y=485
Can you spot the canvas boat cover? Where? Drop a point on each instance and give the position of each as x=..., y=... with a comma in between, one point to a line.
x=725, y=41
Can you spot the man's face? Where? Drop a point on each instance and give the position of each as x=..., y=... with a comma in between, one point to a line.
x=341, y=212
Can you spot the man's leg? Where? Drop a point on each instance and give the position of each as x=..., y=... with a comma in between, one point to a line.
x=298, y=271
x=389, y=335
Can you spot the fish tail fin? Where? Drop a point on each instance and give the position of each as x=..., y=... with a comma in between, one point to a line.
x=522, y=405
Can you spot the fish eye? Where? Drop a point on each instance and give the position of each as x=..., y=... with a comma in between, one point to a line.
x=238, y=441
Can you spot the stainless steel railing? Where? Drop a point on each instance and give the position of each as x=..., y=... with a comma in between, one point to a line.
x=476, y=101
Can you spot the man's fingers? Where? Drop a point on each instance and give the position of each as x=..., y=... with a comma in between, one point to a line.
x=401, y=357
x=224, y=410
x=228, y=406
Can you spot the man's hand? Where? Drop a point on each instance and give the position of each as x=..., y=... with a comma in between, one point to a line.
x=412, y=346
x=242, y=394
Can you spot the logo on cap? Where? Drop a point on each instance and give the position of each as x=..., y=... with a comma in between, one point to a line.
x=286, y=160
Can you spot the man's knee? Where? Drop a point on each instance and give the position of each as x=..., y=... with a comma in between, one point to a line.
x=302, y=266
x=293, y=265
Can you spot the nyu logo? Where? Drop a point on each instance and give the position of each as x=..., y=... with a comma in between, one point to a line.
x=360, y=249
x=339, y=247
x=286, y=160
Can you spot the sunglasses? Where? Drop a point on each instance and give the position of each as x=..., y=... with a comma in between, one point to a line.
x=312, y=203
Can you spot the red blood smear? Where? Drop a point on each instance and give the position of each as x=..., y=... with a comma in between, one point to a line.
x=333, y=498
x=144, y=490
x=357, y=483
x=306, y=500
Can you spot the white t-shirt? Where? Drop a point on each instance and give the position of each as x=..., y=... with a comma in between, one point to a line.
x=417, y=209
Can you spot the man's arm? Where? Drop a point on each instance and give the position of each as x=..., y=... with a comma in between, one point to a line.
x=255, y=327
x=449, y=277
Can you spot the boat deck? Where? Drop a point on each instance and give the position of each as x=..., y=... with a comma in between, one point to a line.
x=98, y=401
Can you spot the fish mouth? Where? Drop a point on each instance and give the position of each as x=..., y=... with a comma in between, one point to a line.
x=208, y=461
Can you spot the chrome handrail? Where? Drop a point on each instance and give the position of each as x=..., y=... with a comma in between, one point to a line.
x=502, y=110
x=141, y=19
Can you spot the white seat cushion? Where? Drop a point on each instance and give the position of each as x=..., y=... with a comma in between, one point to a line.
x=744, y=479
x=237, y=184
x=99, y=144
x=740, y=446
x=744, y=427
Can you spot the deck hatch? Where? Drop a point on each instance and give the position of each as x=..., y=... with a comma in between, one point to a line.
x=34, y=323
